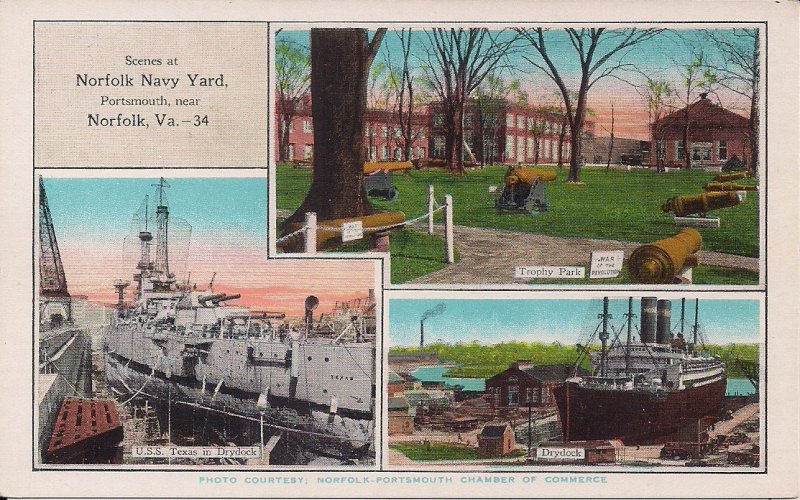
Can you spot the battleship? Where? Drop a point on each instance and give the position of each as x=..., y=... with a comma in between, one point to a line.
x=312, y=381
x=642, y=392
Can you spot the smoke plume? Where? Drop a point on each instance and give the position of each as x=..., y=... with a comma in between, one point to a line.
x=439, y=309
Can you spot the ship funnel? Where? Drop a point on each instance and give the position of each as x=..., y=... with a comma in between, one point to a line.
x=663, y=331
x=311, y=303
x=648, y=320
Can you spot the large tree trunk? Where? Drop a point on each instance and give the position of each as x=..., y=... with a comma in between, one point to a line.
x=284, y=142
x=340, y=60
x=754, y=118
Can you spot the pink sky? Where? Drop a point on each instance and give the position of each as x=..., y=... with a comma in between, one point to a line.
x=279, y=284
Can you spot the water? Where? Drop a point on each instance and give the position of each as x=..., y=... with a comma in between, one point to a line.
x=739, y=387
x=436, y=374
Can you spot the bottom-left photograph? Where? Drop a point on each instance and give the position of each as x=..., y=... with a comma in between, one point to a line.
x=166, y=338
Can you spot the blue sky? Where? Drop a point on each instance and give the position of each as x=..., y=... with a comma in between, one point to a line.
x=101, y=206
x=491, y=321
x=661, y=57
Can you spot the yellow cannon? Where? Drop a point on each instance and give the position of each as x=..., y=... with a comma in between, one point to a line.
x=661, y=261
x=329, y=238
x=733, y=176
x=523, y=189
x=718, y=186
x=378, y=178
x=700, y=204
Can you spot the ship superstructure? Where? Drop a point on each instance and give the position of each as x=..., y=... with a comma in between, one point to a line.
x=205, y=349
x=642, y=391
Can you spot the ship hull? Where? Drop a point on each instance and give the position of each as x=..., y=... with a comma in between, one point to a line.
x=635, y=417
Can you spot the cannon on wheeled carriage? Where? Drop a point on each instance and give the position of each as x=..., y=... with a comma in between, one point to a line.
x=378, y=180
x=524, y=189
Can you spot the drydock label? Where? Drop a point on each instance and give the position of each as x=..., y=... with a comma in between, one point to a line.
x=196, y=451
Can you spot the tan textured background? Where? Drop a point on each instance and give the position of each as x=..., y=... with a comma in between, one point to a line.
x=237, y=132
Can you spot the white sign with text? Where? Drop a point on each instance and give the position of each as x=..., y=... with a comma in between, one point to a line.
x=352, y=231
x=606, y=264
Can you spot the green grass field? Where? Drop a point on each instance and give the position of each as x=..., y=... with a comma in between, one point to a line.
x=439, y=451
x=614, y=204
x=481, y=361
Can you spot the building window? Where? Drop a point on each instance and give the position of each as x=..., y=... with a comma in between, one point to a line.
x=398, y=153
x=438, y=147
x=661, y=148
x=701, y=151
x=468, y=121
x=529, y=148
x=509, y=121
x=509, y=146
x=307, y=126
x=291, y=151
x=288, y=124
x=513, y=395
x=680, y=151
x=420, y=152
x=520, y=122
x=308, y=151
x=438, y=120
x=530, y=123
x=385, y=153
x=396, y=133
x=722, y=150
x=421, y=134
x=385, y=131
x=553, y=148
x=373, y=153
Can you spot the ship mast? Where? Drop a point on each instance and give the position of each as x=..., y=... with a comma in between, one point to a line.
x=694, y=329
x=628, y=343
x=604, y=337
x=162, y=222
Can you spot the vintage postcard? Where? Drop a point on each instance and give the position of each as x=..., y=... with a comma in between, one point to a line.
x=431, y=250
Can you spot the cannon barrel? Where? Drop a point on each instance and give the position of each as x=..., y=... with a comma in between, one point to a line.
x=388, y=166
x=527, y=176
x=213, y=297
x=701, y=203
x=733, y=176
x=719, y=186
x=327, y=238
x=226, y=297
x=660, y=261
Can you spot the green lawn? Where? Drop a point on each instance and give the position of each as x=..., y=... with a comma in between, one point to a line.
x=613, y=204
x=481, y=361
x=435, y=451
x=414, y=253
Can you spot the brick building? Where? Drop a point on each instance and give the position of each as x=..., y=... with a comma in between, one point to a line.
x=715, y=135
x=383, y=139
x=400, y=421
x=502, y=132
x=523, y=384
x=495, y=440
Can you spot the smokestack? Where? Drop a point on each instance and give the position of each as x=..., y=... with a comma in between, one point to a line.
x=421, y=333
x=648, y=320
x=663, y=331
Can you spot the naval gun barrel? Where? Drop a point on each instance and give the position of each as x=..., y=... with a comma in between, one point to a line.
x=226, y=297
x=206, y=298
x=660, y=261
x=682, y=206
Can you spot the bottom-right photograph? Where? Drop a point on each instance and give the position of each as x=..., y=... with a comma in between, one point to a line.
x=653, y=382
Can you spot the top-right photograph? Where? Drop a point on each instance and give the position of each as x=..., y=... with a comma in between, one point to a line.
x=485, y=157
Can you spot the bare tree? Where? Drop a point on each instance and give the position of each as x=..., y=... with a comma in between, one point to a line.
x=696, y=78
x=596, y=49
x=740, y=72
x=340, y=62
x=657, y=95
x=292, y=80
x=458, y=61
x=491, y=98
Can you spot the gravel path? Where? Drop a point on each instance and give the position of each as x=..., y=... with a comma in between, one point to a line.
x=491, y=255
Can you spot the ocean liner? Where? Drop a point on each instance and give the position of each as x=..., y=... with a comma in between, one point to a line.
x=642, y=392
x=193, y=347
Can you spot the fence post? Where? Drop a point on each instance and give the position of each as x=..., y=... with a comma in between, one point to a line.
x=448, y=228
x=311, y=232
x=430, y=208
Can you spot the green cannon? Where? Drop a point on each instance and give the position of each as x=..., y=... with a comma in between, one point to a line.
x=700, y=204
x=661, y=261
x=523, y=189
